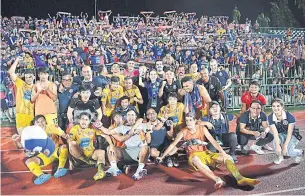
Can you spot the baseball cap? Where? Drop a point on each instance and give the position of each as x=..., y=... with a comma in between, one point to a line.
x=213, y=103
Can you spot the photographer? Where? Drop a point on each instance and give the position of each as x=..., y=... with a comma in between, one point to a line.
x=254, y=126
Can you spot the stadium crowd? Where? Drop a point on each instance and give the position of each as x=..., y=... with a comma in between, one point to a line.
x=135, y=88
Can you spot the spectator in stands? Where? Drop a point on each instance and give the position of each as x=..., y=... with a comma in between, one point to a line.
x=254, y=126
x=44, y=95
x=286, y=136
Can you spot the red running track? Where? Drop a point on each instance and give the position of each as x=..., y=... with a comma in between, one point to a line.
x=286, y=178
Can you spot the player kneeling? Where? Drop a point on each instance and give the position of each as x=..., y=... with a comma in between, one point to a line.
x=201, y=158
x=41, y=150
x=82, y=148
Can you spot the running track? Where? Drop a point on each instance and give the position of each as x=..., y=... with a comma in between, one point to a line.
x=286, y=178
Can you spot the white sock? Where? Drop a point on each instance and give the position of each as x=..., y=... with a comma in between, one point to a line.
x=140, y=167
x=113, y=164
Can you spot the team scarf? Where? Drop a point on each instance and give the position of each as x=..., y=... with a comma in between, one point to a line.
x=192, y=100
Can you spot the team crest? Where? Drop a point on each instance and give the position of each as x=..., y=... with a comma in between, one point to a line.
x=285, y=122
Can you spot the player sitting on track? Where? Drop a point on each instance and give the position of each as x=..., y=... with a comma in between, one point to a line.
x=36, y=161
x=136, y=149
x=200, y=158
x=81, y=144
x=286, y=136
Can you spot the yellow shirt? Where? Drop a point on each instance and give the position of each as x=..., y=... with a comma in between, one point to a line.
x=131, y=93
x=110, y=98
x=121, y=78
x=54, y=132
x=176, y=114
x=194, y=76
x=29, y=62
x=23, y=98
x=84, y=138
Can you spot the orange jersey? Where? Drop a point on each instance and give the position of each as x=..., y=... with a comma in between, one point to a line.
x=199, y=134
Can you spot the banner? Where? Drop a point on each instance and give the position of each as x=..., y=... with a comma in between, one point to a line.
x=30, y=47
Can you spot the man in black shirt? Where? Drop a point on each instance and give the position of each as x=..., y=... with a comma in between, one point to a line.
x=168, y=86
x=83, y=104
x=212, y=84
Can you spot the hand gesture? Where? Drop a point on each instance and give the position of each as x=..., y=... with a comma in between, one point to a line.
x=38, y=87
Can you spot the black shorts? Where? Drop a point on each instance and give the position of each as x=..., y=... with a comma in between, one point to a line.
x=4, y=105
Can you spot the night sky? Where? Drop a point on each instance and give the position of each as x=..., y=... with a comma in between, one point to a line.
x=40, y=8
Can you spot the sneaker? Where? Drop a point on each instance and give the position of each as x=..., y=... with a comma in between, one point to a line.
x=219, y=183
x=244, y=151
x=278, y=159
x=299, y=158
x=140, y=174
x=60, y=172
x=42, y=179
x=257, y=149
x=99, y=175
x=267, y=147
x=169, y=162
x=113, y=172
x=175, y=162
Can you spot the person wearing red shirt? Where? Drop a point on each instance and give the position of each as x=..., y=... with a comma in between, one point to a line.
x=252, y=94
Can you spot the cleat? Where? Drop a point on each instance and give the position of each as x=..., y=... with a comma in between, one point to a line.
x=247, y=182
x=99, y=175
x=140, y=174
x=60, y=172
x=42, y=179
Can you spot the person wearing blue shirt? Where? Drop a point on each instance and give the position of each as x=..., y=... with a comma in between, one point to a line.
x=221, y=132
x=159, y=50
x=254, y=126
x=66, y=90
x=224, y=79
x=286, y=136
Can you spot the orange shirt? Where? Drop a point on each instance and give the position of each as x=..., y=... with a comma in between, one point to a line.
x=199, y=134
x=44, y=104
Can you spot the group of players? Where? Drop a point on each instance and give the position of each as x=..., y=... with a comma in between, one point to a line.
x=199, y=127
